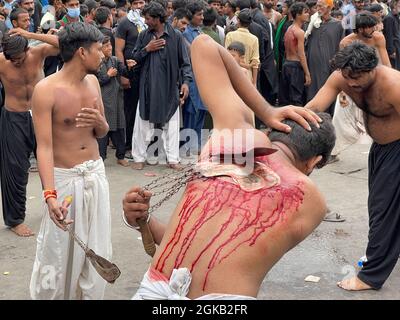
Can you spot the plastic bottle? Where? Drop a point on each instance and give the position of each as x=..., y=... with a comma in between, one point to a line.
x=361, y=261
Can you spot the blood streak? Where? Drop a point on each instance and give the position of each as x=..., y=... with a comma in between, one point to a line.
x=250, y=215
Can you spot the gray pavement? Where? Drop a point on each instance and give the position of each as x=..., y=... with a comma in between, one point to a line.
x=330, y=252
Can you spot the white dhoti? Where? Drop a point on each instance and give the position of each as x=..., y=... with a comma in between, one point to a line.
x=143, y=131
x=61, y=270
x=156, y=286
x=349, y=125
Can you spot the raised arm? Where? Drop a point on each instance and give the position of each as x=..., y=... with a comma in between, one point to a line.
x=326, y=95
x=214, y=67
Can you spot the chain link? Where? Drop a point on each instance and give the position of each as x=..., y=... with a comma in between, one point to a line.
x=179, y=179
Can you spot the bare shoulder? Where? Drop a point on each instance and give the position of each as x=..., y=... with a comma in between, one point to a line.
x=92, y=79
x=378, y=37
x=346, y=40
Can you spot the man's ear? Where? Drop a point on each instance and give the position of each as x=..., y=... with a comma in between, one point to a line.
x=312, y=162
x=14, y=23
x=82, y=53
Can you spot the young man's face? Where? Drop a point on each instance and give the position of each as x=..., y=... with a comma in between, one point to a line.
x=359, y=81
x=107, y=49
x=378, y=15
x=73, y=4
x=359, y=4
x=18, y=59
x=23, y=21
x=269, y=4
x=151, y=22
x=93, y=57
x=180, y=24
x=305, y=16
x=367, y=32
x=228, y=9
x=170, y=10
x=197, y=19
x=28, y=5
x=138, y=4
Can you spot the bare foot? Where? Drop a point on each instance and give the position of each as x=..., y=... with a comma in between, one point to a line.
x=137, y=166
x=22, y=230
x=123, y=162
x=353, y=284
x=175, y=166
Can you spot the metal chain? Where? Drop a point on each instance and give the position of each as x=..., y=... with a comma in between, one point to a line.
x=180, y=179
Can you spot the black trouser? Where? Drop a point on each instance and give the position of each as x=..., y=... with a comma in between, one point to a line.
x=17, y=141
x=118, y=139
x=131, y=98
x=291, y=87
x=384, y=214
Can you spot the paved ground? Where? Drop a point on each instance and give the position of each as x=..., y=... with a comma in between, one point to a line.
x=330, y=252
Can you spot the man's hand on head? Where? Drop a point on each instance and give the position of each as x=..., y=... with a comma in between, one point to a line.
x=299, y=114
x=20, y=32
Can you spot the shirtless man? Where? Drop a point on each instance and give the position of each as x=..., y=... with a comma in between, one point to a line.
x=21, y=68
x=371, y=87
x=295, y=73
x=68, y=116
x=348, y=118
x=272, y=15
x=219, y=231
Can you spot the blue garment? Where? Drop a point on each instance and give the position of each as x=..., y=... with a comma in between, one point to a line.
x=9, y=6
x=31, y=25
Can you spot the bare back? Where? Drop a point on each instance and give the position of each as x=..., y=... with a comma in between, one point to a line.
x=291, y=44
x=71, y=145
x=229, y=239
x=19, y=82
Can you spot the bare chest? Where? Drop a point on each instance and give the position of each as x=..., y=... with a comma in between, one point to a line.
x=68, y=103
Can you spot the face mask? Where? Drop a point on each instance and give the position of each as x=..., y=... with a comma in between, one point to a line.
x=73, y=13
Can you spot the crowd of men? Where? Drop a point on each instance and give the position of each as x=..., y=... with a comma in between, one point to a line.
x=151, y=88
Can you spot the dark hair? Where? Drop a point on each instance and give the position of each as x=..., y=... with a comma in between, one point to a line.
x=365, y=19
x=195, y=6
x=84, y=10
x=356, y=57
x=311, y=3
x=375, y=7
x=238, y=47
x=210, y=16
x=214, y=1
x=243, y=4
x=77, y=35
x=254, y=4
x=244, y=17
x=177, y=4
x=155, y=10
x=307, y=144
x=232, y=4
x=91, y=4
x=102, y=14
x=164, y=3
x=393, y=3
x=106, y=39
x=182, y=13
x=121, y=3
x=16, y=12
x=297, y=8
x=14, y=45
x=288, y=3
x=110, y=4
x=336, y=13
x=66, y=1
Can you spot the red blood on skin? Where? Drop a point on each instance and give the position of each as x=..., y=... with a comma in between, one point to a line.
x=251, y=215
